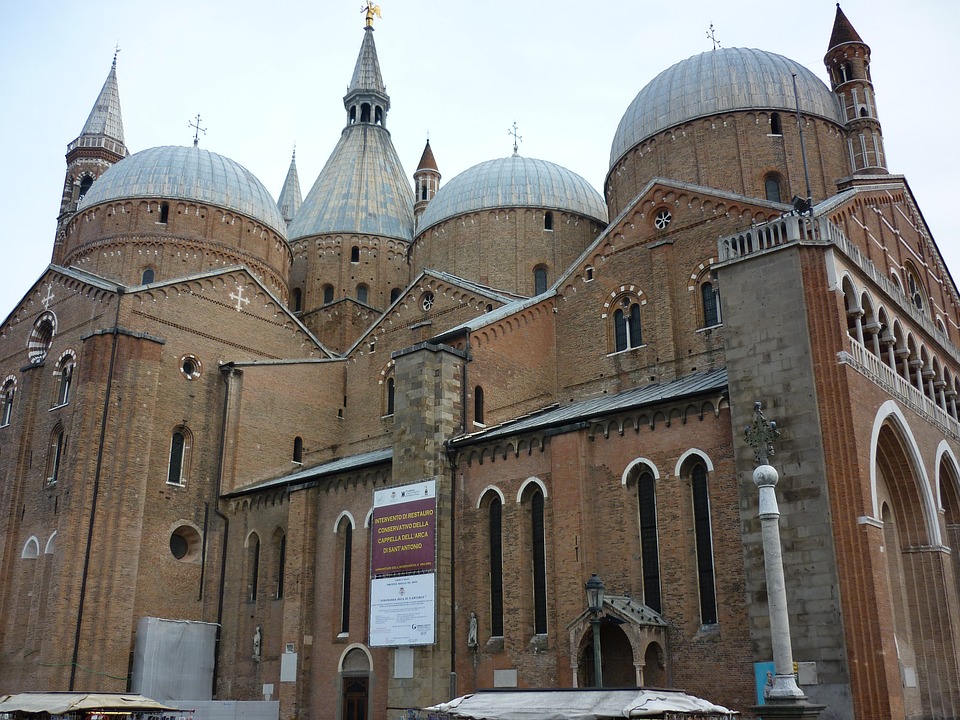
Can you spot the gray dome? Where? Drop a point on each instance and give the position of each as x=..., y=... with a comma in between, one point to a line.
x=187, y=173
x=514, y=182
x=361, y=189
x=719, y=81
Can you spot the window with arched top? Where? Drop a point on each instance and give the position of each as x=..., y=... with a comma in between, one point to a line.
x=776, y=127
x=772, y=188
x=279, y=562
x=394, y=294
x=180, y=449
x=365, y=112
x=495, y=559
x=345, y=542
x=355, y=254
x=253, y=567
x=164, y=212
x=703, y=537
x=297, y=300
x=626, y=324
x=55, y=455
x=915, y=289
x=548, y=220
x=85, y=186
x=649, y=542
x=478, y=405
x=327, y=294
x=362, y=293
x=41, y=337
x=64, y=375
x=710, y=302
x=298, y=449
x=7, y=396
x=148, y=276
x=390, y=400
x=539, y=280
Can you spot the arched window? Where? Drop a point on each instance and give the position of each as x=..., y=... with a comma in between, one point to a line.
x=41, y=338
x=355, y=254
x=362, y=293
x=85, y=186
x=478, y=405
x=703, y=533
x=495, y=555
x=297, y=300
x=179, y=456
x=64, y=379
x=710, y=297
x=327, y=294
x=6, y=401
x=346, y=557
x=55, y=456
x=280, y=558
x=539, y=558
x=548, y=220
x=539, y=280
x=298, y=449
x=776, y=128
x=649, y=543
x=148, y=276
x=626, y=325
x=391, y=396
x=394, y=294
x=378, y=115
x=164, y=212
x=915, y=289
x=772, y=189
x=365, y=113
x=253, y=566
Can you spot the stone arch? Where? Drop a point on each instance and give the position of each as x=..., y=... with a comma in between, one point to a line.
x=700, y=454
x=344, y=514
x=492, y=489
x=31, y=548
x=527, y=484
x=637, y=464
x=51, y=547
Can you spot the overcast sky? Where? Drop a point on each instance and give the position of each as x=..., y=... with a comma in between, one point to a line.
x=266, y=76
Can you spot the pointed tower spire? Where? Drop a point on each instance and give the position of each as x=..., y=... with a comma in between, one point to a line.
x=848, y=64
x=366, y=100
x=99, y=145
x=426, y=181
x=290, y=198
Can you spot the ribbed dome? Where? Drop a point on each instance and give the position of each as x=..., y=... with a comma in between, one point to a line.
x=187, y=173
x=361, y=189
x=514, y=182
x=719, y=81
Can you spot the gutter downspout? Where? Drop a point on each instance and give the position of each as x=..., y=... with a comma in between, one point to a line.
x=95, y=492
x=225, y=372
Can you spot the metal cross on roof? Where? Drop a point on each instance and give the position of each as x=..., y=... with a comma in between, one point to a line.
x=516, y=138
x=760, y=435
x=712, y=37
x=198, y=129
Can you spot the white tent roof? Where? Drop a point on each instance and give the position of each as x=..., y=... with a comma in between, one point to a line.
x=577, y=704
x=61, y=703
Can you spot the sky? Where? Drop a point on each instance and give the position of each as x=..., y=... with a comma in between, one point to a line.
x=266, y=77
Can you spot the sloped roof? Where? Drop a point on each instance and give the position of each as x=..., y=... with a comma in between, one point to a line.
x=317, y=472
x=843, y=31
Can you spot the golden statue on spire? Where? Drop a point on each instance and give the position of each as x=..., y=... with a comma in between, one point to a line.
x=370, y=9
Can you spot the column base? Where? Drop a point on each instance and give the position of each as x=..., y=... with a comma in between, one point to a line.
x=787, y=710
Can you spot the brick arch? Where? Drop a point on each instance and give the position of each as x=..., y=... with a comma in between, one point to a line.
x=894, y=449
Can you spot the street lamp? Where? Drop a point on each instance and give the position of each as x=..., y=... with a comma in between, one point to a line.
x=595, y=607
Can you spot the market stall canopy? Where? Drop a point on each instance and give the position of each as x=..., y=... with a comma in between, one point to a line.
x=579, y=704
x=62, y=703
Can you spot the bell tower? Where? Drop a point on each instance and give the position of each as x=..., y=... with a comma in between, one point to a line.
x=99, y=145
x=848, y=64
x=426, y=181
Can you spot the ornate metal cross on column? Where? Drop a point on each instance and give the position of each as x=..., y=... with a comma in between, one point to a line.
x=196, y=126
x=516, y=137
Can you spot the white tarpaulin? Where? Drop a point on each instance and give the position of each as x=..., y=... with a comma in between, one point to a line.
x=61, y=703
x=173, y=659
x=578, y=704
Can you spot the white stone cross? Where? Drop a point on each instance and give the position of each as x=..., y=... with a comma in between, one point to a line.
x=238, y=296
x=49, y=298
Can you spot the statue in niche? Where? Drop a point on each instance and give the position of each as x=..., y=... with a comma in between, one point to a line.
x=472, y=632
x=257, y=639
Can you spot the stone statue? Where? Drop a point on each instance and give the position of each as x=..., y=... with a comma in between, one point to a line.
x=257, y=637
x=472, y=632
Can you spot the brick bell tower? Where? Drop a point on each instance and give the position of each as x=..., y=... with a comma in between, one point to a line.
x=426, y=181
x=848, y=64
x=99, y=145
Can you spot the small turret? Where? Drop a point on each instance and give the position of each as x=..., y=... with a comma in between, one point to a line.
x=99, y=145
x=848, y=64
x=290, y=197
x=426, y=181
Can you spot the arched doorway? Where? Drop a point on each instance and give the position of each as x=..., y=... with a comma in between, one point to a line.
x=616, y=657
x=355, y=685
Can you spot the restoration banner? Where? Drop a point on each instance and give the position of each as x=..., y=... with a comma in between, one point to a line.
x=404, y=528
x=402, y=610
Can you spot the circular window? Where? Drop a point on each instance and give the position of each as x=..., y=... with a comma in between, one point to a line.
x=185, y=543
x=426, y=302
x=662, y=219
x=190, y=367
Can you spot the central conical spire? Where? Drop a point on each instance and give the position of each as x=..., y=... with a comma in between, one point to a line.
x=290, y=198
x=366, y=100
x=104, y=126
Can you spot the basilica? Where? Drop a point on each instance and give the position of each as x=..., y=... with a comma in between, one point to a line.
x=358, y=452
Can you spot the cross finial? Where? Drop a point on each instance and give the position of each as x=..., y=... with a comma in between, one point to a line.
x=116, y=50
x=760, y=435
x=712, y=37
x=198, y=130
x=516, y=138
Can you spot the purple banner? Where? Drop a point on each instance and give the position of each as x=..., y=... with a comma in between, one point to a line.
x=403, y=534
